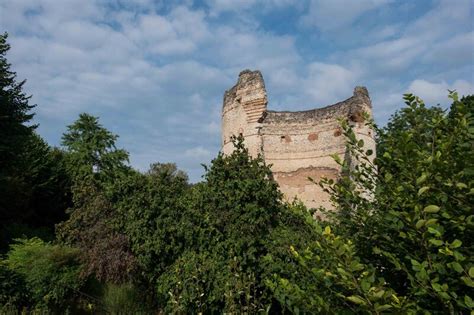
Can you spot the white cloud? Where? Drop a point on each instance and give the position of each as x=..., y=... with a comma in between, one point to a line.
x=179, y=32
x=457, y=50
x=237, y=48
x=219, y=6
x=390, y=55
x=213, y=128
x=198, y=153
x=432, y=38
x=444, y=19
x=334, y=14
x=437, y=92
x=329, y=83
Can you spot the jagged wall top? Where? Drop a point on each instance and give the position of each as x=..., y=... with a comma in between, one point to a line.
x=351, y=107
x=250, y=86
x=250, y=91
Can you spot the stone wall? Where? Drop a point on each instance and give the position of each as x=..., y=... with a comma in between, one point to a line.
x=244, y=104
x=297, y=144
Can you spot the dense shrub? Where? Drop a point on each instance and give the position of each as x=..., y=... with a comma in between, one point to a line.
x=405, y=223
x=150, y=215
x=123, y=299
x=50, y=272
x=104, y=252
x=13, y=290
x=234, y=231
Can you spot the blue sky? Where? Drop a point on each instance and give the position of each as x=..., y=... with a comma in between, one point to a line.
x=155, y=71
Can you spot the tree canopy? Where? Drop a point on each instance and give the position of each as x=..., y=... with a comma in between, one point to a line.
x=92, y=151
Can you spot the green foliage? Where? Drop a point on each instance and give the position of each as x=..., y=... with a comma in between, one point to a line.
x=426, y=209
x=231, y=212
x=14, y=114
x=123, y=299
x=50, y=272
x=14, y=110
x=94, y=164
x=105, y=252
x=150, y=215
x=405, y=219
x=230, y=233
x=91, y=150
x=13, y=291
x=337, y=281
x=46, y=190
x=34, y=186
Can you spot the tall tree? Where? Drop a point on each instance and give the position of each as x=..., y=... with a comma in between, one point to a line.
x=94, y=162
x=91, y=150
x=14, y=114
x=33, y=182
x=14, y=110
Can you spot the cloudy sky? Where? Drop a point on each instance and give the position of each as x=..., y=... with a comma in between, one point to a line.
x=155, y=71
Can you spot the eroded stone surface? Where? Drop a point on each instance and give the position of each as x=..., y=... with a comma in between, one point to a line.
x=297, y=144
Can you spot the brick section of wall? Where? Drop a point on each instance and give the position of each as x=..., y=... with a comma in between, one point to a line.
x=254, y=109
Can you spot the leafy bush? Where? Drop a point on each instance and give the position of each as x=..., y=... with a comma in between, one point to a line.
x=405, y=223
x=13, y=291
x=149, y=214
x=236, y=231
x=123, y=299
x=104, y=252
x=50, y=272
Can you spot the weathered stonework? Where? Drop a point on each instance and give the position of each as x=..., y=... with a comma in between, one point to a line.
x=298, y=145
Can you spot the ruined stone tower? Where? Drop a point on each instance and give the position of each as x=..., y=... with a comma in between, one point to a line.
x=297, y=144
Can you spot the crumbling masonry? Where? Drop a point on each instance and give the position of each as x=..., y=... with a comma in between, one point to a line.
x=297, y=144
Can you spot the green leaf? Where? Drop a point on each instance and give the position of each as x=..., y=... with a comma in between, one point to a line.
x=436, y=242
x=422, y=190
x=471, y=272
x=384, y=307
x=431, y=209
x=420, y=224
x=458, y=256
x=431, y=222
x=414, y=262
x=468, y=301
x=457, y=267
x=421, y=179
x=356, y=299
x=327, y=230
x=456, y=243
x=395, y=298
x=461, y=185
x=336, y=158
x=365, y=285
x=468, y=281
x=436, y=287
x=445, y=295
x=379, y=294
x=434, y=231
